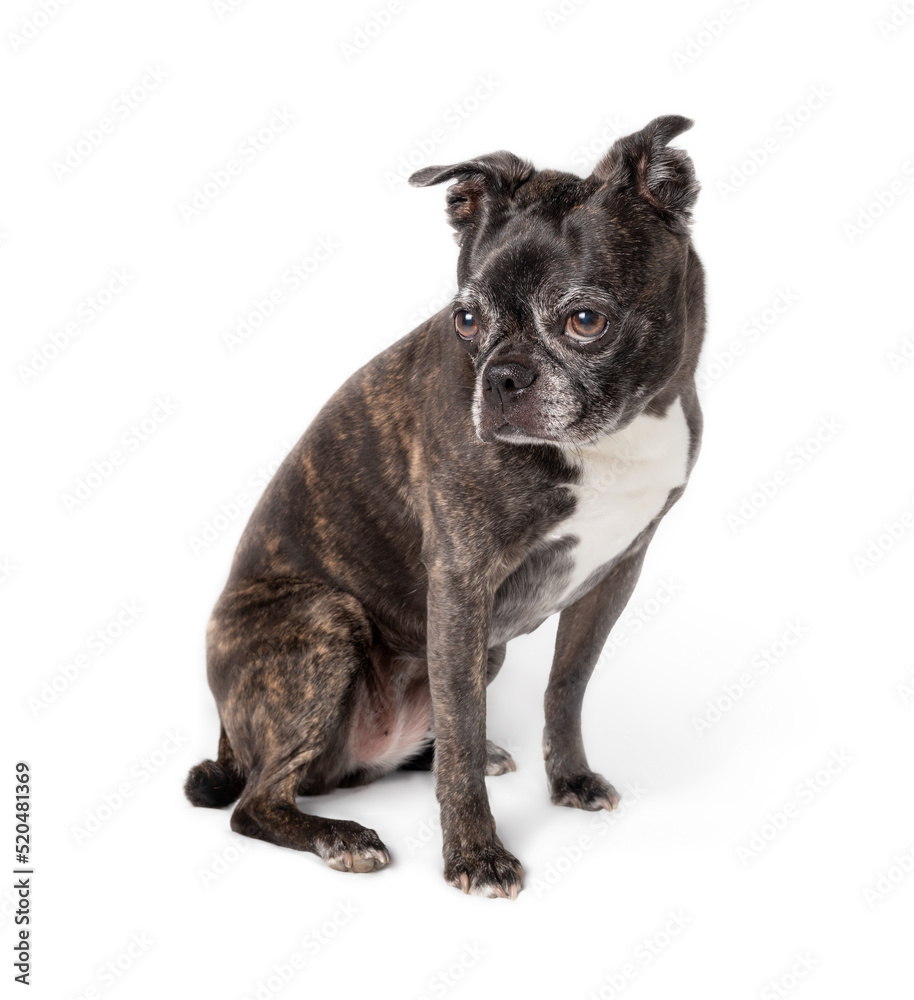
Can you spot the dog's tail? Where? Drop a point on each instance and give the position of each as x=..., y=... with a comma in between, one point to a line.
x=216, y=783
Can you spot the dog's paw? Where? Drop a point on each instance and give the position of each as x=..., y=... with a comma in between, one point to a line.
x=584, y=791
x=484, y=871
x=353, y=848
x=498, y=761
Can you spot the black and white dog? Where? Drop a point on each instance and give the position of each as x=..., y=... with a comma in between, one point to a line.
x=508, y=460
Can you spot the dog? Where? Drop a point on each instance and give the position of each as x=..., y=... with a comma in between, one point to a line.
x=508, y=460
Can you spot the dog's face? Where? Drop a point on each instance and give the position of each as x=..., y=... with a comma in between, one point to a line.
x=572, y=298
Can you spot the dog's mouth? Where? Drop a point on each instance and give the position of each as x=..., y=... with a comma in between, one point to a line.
x=572, y=434
x=523, y=420
x=501, y=429
x=522, y=406
x=520, y=435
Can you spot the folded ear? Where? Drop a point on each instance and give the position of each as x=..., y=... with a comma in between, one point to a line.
x=484, y=181
x=661, y=176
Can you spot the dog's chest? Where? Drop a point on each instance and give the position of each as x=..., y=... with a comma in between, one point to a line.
x=626, y=479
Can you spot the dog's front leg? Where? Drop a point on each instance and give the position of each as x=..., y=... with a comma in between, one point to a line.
x=459, y=616
x=583, y=630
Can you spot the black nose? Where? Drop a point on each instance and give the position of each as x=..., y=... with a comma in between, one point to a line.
x=507, y=381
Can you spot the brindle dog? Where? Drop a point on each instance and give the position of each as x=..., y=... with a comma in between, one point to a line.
x=508, y=459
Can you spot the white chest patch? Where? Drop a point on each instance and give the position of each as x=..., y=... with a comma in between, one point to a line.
x=627, y=478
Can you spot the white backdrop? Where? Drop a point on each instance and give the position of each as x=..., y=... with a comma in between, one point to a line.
x=167, y=169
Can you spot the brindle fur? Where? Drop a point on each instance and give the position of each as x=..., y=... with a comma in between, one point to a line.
x=400, y=545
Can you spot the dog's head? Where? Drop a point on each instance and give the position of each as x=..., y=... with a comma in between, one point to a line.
x=572, y=297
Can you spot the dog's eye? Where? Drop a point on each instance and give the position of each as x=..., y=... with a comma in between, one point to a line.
x=466, y=326
x=586, y=325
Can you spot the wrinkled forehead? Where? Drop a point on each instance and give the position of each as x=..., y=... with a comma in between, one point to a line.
x=537, y=263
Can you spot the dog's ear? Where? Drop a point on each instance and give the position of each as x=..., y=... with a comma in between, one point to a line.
x=661, y=176
x=482, y=182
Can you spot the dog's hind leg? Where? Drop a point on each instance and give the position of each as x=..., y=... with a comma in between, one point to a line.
x=269, y=813
x=284, y=657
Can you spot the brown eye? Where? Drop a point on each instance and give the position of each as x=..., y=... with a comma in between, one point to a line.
x=465, y=324
x=586, y=325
